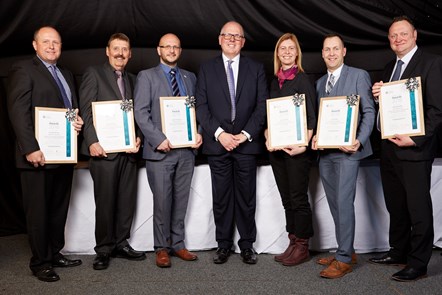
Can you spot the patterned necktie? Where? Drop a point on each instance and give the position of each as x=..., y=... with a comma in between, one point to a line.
x=173, y=82
x=66, y=101
x=330, y=83
x=120, y=83
x=231, y=82
x=397, y=72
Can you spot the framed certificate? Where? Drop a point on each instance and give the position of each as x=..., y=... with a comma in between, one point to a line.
x=286, y=121
x=56, y=135
x=337, y=121
x=178, y=120
x=400, y=108
x=114, y=124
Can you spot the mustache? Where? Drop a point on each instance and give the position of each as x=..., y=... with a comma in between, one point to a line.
x=118, y=56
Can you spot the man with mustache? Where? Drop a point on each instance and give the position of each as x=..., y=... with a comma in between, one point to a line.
x=115, y=175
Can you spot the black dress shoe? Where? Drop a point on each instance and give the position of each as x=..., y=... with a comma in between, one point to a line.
x=409, y=274
x=65, y=262
x=249, y=256
x=47, y=274
x=387, y=260
x=221, y=255
x=128, y=252
x=101, y=261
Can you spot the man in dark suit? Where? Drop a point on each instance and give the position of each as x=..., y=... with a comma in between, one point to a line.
x=46, y=188
x=231, y=94
x=115, y=175
x=169, y=170
x=406, y=161
x=339, y=167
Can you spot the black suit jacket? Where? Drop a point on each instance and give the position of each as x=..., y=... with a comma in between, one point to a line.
x=99, y=84
x=213, y=104
x=429, y=68
x=32, y=85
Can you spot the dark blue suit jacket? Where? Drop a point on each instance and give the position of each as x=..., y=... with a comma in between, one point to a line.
x=213, y=104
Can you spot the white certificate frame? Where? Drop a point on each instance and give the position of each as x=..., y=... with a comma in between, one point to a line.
x=400, y=110
x=115, y=128
x=337, y=125
x=56, y=136
x=178, y=121
x=286, y=122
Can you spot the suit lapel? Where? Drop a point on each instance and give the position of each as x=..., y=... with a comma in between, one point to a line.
x=163, y=80
x=412, y=65
x=41, y=67
x=110, y=76
x=222, y=77
x=340, y=84
x=242, y=74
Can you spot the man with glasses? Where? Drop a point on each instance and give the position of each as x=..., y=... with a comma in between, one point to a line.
x=230, y=98
x=169, y=170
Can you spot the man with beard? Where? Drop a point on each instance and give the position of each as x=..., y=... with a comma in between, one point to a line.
x=169, y=170
x=115, y=175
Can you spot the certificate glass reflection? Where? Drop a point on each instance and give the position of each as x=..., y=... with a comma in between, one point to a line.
x=56, y=135
x=337, y=121
x=178, y=120
x=286, y=121
x=115, y=127
x=400, y=108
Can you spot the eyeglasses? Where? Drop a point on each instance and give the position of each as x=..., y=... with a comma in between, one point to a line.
x=228, y=36
x=169, y=47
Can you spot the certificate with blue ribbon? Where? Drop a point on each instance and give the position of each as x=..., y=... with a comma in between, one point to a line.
x=56, y=135
x=178, y=120
x=287, y=121
x=114, y=124
x=337, y=121
x=400, y=108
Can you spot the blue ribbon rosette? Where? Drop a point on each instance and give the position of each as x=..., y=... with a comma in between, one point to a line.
x=351, y=99
x=126, y=106
x=412, y=84
x=298, y=100
x=190, y=103
x=70, y=117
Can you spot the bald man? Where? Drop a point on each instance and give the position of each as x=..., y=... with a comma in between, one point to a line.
x=169, y=170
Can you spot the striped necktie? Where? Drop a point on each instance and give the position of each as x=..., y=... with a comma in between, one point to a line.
x=330, y=83
x=231, y=82
x=175, y=89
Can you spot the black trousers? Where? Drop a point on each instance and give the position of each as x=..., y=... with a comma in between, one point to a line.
x=406, y=186
x=46, y=194
x=292, y=178
x=234, y=198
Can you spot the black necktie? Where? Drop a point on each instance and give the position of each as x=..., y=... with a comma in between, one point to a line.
x=175, y=89
x=66, y=101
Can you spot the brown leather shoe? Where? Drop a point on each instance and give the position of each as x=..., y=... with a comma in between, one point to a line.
x=335, y=270
x=327, y=260
x=299, y=254
x=163, y=259
x=186, y=255
x=288, y=251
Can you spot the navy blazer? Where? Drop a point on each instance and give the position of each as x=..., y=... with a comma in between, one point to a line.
x=213, y=104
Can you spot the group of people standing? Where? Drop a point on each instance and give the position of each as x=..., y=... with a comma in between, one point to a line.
x=231, y=92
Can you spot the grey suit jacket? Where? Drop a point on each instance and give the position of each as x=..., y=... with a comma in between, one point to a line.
x=354, y=81
x=99, y=84
x=151, y=85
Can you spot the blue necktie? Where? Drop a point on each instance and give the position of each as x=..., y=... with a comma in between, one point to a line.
x=231, y=82
x=173, y=82
x=66, y=101
x=397, y=72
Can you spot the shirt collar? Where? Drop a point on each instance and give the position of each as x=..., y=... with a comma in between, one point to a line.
x=336, y=73
x=407, y=57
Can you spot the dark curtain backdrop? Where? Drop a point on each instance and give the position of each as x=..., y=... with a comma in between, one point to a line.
x=85, y=26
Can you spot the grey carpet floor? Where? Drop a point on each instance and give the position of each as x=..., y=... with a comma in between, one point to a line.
x=204, y=277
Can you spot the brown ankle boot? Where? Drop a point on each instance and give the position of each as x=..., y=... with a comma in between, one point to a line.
x=299, y=255
x=288, y=251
